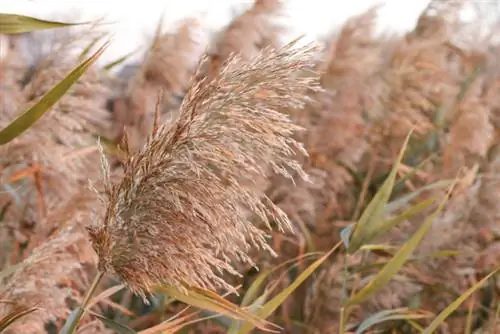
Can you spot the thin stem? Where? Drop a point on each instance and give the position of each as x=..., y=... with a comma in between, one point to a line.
x=75, y=317
x=342, y=321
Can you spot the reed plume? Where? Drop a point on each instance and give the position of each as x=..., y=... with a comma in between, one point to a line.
x=180, y=215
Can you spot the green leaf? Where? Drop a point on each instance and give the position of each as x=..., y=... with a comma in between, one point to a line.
x=91, y=45
x=29, y=117
x=117, y=327
x=17, y=24
x=399, y=259
x=453, y=306
x=371, y=220
x=251, y=298
x=252, y=291
x=119, y=61
x=76, y=315
x=71, y=321
x=403, y=201
x=17, y=312
x=266, y=310
x=388, y=224
x=388, y=315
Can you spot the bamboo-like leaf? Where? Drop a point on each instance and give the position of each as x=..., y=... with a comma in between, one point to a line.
x=399, y=259
x=16, y=313
x=29, y=117
x=266, y=310
x=441, y=317
x=371, y=219
x=17, y=24
x=207, y=300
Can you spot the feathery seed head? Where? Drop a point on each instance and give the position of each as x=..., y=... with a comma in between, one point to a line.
x=180, y=213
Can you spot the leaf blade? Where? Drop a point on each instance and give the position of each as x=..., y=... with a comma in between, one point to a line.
x=367, y=226
x=399, y=259
x=18, y=24
x=267, y=309
x=456, y=303
x=16, y=313
x=204, y=299
x=30, y=116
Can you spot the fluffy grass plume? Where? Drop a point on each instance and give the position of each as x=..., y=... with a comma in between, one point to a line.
x=180, y=214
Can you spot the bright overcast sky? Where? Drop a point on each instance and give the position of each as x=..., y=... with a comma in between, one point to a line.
x=132, y=20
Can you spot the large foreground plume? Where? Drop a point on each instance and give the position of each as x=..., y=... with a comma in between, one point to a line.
x=180, y=214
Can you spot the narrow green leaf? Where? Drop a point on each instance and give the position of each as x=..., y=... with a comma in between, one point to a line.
x=17, y=24
x=71, y=321
x=76, y=315
x=453, y=306
x=399, y=259
x=16, y=313
x=117, y=327
x=29, y=117
x=119, y=61
x=91, y=45
x=387, y=224
x=388, y=315
x=252, y=300
x=371, y=219
x=266, y=310
x=403, y=201
x=254, y=288
x=251, y=293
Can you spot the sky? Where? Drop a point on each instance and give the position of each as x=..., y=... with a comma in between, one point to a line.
x=131, y=21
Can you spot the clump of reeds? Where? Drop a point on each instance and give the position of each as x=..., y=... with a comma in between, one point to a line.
x=55, y=274
x=166, y=69
x=180, y=214
x=247, y=35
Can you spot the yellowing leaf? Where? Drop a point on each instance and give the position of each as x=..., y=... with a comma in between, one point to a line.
x=30, y=116
x=17, y=312
x=17, y=24
x=207, y=300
